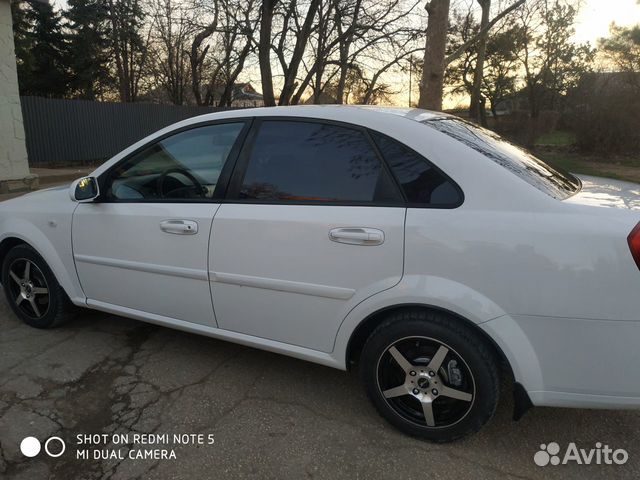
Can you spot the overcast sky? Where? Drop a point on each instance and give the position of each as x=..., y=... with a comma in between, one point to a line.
x=596, y=15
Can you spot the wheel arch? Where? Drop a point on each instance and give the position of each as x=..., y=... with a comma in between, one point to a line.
x=368, y=325
x=8, y=243
x=38, y=242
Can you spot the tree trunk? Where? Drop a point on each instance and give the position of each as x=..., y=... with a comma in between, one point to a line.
x=196, y=58
x=494, y=111
x=432, y=82
x=296, y=57
x=475, y=110
x=264, y=52
x=227, y=95
x=345, y=47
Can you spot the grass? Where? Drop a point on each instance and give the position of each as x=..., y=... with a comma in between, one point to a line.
x=558, y=149
x=556, y=139
x=619, y=167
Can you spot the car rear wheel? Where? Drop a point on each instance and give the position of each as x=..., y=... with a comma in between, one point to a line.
x=430, y=375
x=31, y=289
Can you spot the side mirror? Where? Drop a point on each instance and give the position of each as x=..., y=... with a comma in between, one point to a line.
x=84, y=189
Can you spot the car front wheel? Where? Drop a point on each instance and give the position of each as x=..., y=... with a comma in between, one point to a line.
x=31, y=289
x=430, y=375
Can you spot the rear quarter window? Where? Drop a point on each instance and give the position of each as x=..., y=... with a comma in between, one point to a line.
x=422, y=183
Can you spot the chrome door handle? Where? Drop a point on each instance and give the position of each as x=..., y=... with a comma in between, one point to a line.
x=179, y=227
x=357, y=236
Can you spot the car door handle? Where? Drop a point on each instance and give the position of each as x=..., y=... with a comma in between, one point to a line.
x=357, y=236
x=179, y=227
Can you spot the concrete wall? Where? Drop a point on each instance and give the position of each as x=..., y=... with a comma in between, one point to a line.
x=14, y=167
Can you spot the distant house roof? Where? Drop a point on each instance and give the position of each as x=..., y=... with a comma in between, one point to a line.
x=245, y=91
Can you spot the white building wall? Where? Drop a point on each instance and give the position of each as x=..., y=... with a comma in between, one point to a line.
x=13, y=152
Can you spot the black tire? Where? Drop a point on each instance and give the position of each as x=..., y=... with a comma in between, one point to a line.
x=51, y=308
x=418, y=335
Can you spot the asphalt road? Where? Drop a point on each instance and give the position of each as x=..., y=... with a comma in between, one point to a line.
x=270, y=416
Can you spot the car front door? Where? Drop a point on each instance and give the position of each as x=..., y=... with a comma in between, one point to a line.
x=312, y=225
x=142, y=247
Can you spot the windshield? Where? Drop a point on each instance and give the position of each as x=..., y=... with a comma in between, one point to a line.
x=550, y=180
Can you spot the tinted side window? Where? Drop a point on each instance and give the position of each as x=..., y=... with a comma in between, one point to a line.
x=421, y=182
x=182, y=166
x=308, y=161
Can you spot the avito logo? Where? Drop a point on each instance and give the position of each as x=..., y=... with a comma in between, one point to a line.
x=550, y=454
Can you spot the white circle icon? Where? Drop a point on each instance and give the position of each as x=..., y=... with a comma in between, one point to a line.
x=30, y=446
x=62, y=447
x=547, y=454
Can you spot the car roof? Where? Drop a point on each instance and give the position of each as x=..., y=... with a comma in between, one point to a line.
x=347, y=113
x=364, y=115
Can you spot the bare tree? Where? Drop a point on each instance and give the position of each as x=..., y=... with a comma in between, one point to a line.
x=384, y=35
x=346, y=39
x=372, y=91
x=198, y=53
x=324, y=46
x=291, y=17
x=239, y=43
x=435, y=61
x=172, y=28
x=220, y=49
x=264, y=51
x=360, y=41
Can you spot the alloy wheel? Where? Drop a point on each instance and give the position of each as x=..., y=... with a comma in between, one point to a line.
x=29, y=288
x=426, y=382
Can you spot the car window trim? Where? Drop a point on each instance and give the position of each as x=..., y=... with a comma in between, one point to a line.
x=386, y=165
x=223, y=180
x=237, y=177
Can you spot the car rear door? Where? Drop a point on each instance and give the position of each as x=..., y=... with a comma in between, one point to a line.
x=313, y=224
x=142, y=247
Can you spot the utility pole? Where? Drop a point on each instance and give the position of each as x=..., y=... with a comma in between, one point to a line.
x=410, y=72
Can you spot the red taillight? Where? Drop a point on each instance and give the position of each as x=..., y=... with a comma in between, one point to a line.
x=634, y=244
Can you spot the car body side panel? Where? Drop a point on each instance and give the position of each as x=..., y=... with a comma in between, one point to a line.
x=302, y=353
x=45, y=224
x=565, y=282
x=418, y=290
x=570, y=264
x=123, y=257
x=572, y=362
x=275, y=272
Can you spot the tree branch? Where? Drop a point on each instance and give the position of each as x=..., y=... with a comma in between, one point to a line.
x=461, y=49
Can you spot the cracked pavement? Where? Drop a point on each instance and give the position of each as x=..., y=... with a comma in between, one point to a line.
x=271, y=416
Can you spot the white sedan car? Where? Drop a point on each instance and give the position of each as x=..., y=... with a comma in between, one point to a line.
x=422, y=248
